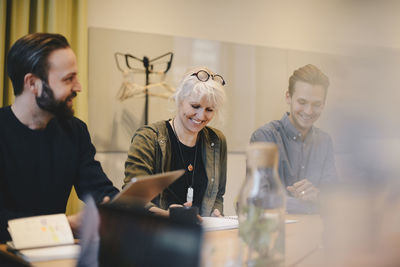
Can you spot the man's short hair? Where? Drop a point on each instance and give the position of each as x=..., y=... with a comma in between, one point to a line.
x=29, y=54
x=309, y=74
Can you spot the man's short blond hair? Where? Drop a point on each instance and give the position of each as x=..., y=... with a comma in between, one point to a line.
x=309, y=74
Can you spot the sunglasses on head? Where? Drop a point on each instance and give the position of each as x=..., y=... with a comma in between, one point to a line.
x=203, y=76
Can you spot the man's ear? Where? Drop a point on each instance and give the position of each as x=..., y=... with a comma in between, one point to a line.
x=32, y=83
x=288, y=98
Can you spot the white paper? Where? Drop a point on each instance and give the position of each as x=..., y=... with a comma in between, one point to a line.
x=225, y=223
x=287, y=221
x=218, y=223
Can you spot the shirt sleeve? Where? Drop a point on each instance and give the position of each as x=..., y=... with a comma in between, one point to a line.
x=91, y=177
x=141, y=158
x=141, y=154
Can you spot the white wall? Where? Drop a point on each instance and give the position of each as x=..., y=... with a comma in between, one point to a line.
x=313, y=25
x=327, y=26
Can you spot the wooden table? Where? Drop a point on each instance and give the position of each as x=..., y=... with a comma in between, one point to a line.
x=303, y=240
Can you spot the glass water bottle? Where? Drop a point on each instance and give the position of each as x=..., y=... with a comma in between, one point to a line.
x=261, y=208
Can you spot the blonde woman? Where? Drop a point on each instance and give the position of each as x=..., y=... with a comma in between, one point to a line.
x=186, y=142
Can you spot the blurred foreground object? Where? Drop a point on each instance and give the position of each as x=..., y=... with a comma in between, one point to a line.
x=261, y=208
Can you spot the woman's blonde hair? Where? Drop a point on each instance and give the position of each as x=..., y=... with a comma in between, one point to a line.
x=191, y=85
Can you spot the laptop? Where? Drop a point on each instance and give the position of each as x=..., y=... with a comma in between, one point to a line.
x=146, y=188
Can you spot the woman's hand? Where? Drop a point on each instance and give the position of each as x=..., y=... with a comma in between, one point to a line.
x=165, y=213
x=216, y=213
x=159, y=211
x=187, y=204
x=106, y=199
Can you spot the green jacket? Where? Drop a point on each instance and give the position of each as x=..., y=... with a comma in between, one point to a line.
x=150, y=153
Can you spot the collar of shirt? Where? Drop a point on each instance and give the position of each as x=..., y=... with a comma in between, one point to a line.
x=291, y=131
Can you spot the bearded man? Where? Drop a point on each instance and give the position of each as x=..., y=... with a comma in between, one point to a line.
x=44, y=149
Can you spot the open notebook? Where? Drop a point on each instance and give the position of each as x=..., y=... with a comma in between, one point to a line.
x=45, y=237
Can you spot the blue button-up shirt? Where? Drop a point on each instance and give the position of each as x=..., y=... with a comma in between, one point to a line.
x=311, y=158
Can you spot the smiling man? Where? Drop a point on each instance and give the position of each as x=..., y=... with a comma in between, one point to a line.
x=306, y=160
x=44, y=149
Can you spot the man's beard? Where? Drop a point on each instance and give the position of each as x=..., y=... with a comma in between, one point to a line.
x=48, y=102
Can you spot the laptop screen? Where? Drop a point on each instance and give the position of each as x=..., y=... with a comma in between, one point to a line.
x=131, y=236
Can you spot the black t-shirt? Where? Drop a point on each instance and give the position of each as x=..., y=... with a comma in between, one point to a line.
x=182, y=156
x=39, y=167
